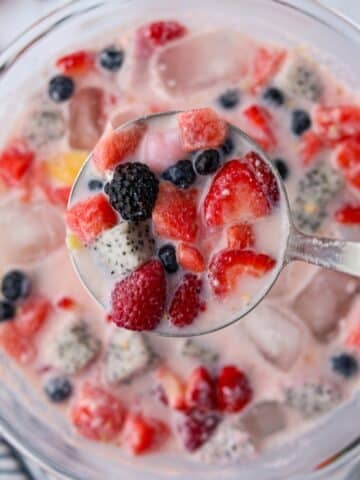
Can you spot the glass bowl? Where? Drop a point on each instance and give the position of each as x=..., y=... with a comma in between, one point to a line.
x=25, y=419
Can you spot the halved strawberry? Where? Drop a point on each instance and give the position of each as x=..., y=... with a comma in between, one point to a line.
x=156, y=34
x=348, y=214
x=266, y=63
x=200, y=390
x=175, y=213
x=334, y=124
x=240, y=236
x=186, y=303
x=88, y=218
x=260, y=126
x=140, y=434
x=235, y=196
x=310, y=146
x=32, y=315
x=19, y=347
x=76, y=63
x=227, y=266
x=116, y=145
x=190, y=258
x=173, y=388
x=264, y=176
x=201, y=129
x=15, y=161
x=234, y=391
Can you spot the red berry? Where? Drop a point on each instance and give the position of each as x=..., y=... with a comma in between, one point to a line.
x=348, y=215
x=201, y=129
x=190, y=258
x=175, y=213
x=97, y=414
x=260, y=124
x=235, y=196
x=157, y=34
x=66, y=303
x=15, y=161
x=353, y=338
x=172, y=388
x=348, y=160
x=88, y=218
x=233, y=390
x=76, y=63
x=264, y=176
x=19, y=347
x=265, y=65
x=240, y=236
x=186, y=302
x=141, y=434
x=195, y=427
x=60, y=195
x=32, y=315
x=227, y=266
x=334, y=124
x=200, y=390
x=138, y=301
x=310, y=146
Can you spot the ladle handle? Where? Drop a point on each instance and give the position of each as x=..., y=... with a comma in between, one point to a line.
x=325, y=252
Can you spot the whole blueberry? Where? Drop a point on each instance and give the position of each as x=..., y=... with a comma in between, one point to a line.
x=95, y=184
x=58, y=389
x=300, y=122
x=112, y=58
x=281, y=167
x=228, y=147
x=274, y=96
x=167, y=256
x=7, y=311
x=15, y=285
x=345, y=365
x=181, y=174
x=229, y=99
x=61, y=88
x=207, y=162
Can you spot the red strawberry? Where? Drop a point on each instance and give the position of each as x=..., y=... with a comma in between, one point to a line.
x=32, y=315
x=260, y=125
x=334, y=124
x=195, y=427
x=235, y=195
x=228, y=265
x=186, y=302
x=76, y=63
x=348, y=215
x=200, y=390
x=265, y=65
x=116, y=145
x=353, y=338
x=310, y=146
x=264, y=176
x=200, y=129
x=190, y=258
x=138, y=301
x=172, y=387
x=240, y=236
x=88, y=218
x=156, y=34
x=141, y=434
x=15, y=161
x=97, y=414
x=66, y=303
x=348, y=160
x=175, y=213
x=234, y=391
x=16, y=345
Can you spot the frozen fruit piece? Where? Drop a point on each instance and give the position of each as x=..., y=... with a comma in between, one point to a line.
x=230, y=98
x=97, y=414
x=264, y=176
x=116, y=145
x=274, y=96
x=208, y=161
x=42, y=127
x=334, y=124
x=138, y=301
x=175, y=213
x=200, y=129
x=32, y=315
x=347, y=158
x=65, y=167
x=112, y=58
x=265, y=419
x=167, y=256
x=348, y=215
x=124, y=247
x=141, y=434
x=173, y=388
x=76, y=63
x=15, y=160
x=312, y=398
x=15, y=285
x=160, y=150
x=300, y=122
x=235, y=195
x=186, y=303
x=58, y=389
x=19, y=347
x=265, y=64
x=192, y=348
x=89, y=218
x=345, y=365
x=195, y=427
x=181, y=174
x=74, y=347
x=260, y=126
x=61, y=88
x=127, y=355
x=200, y=390
x=240, y=236
x=157, y=34
x=310, y=146
x=190, y=258
x=234, y=391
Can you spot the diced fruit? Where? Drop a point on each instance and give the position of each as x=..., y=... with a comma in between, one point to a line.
x=32, y=315
x=240, y=236
x=15, y=161
x=201, y=129
x=300, y=122
x=175, y=213
x=265, y=65
x=167, y=256
x=228, y=266
x=181, y=174
x=116, y=145
x=264, y=176
x=348, y=160
x=112, y=58
x=190, y=258
x=66, y=303
x=15, y=285
x=140, y=434
x=310, y=146
x=234, y=391
x=76, y=63
x=88, y=218
x=156, y=34
x=58, y=389
x=173, y=388
x=195, y=427
x=97, y=414
x=348, y=215
x=260, y=126
x=65, y=167
x=60, y=195
x=61, y=88
x=138, y=301
x=20, y=348
x=186, y=302
x=43, y=126
x=345, y=365
x=235, y=195
x=334, y=124
x=312, y=398
x=200, y=390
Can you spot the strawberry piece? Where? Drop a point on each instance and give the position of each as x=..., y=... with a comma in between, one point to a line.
x=88, y=218
x=66, y=303
x=234, y=391
x=97, y=414
x=260, y=126
x=348, y=215
x=186, y=302
x=265, y=65
x=61, y=195
x=264, y=176
x=116, y=145
x=32, y=315
x=175, y=213
x=348, y=160
x=172, y=387
x=15, y=161
x=195, y=428
x=200, y=390
x=235, y=195
x=228, y=265
x=190, y=258
x=353, y=338
x=137, y=302
x=76, y=63
x=17, y=346
x=240, y=236
x=334, y=124
x=157, y=34
x=310, y=146
x=201, y=129
x=141, y=434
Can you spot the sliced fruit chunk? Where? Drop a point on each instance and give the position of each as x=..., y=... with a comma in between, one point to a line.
x=173, y=388
x=16, y=345
x=15, y=161
x=190, y=258
x=310, y=146
x=260, y=128
x=195, y=427
x=186, y=302
x=348, y=215
x=234, y=391
x=265, y=65
x=240, y=236
x=264, y=176
x=157, y=34
x=334, y=124
x=140, y=434
x=348, y=160
x=32, y=315
x=65, y=167
x=76, y=63
x=200, y=390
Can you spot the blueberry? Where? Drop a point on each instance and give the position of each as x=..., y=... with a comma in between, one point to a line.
x=274, y=96
x=345, y=365
x=229, y=99
x=61, y=88
x=112, y=58
x=7, y=310
x=281, y=167
x=300, y=122
x=207, y=161
x=95, y=184
x=15, y=285
x=181, y=174
x=58, y=389
x=228, y=147
x=167, y=255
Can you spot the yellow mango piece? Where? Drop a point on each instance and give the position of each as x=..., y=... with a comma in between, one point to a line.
x=64, y=168
x=73, y=242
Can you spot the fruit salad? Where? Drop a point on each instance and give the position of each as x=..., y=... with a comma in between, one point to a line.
x=183, y=225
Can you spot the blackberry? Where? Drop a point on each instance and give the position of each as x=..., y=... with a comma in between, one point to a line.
x=207, y=161
x=15, y=285
x=300, y=122
x=61, y=88
x=345, y=365
x=229, y=99
x=58, y=389
x=133, y=191
x=95, y=184
x=112, y=58
x=282, y=168
x=181, y=174
x=167, y=256
x=7, y=311
x=274, y=96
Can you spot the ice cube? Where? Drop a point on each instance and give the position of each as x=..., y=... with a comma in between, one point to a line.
x=161, y=149
x=276, y=334
x=292, y=280
x=325, y=301
x=86, y=119
x=265, y=419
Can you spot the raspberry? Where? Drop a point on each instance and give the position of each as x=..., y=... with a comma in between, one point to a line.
x=233, y=390
x=195, y=428
x=200, y=390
